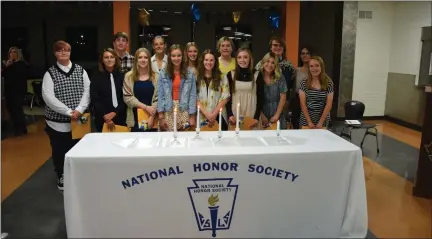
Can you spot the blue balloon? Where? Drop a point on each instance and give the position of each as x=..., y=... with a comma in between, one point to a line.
x=274, y=20
x=196, y=15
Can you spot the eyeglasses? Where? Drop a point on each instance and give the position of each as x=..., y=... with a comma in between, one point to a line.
x=63, y=51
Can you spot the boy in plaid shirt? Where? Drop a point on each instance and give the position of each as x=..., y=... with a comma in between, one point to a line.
x=121, y=43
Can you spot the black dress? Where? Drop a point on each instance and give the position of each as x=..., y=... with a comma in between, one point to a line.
x=15, y=84
x=101, y=98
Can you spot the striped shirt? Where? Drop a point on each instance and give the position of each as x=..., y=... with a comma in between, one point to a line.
x=316, y=100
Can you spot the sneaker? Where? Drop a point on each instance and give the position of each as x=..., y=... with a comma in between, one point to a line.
x=60, y=183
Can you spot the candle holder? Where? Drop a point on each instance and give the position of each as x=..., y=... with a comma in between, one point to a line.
x=278, y=129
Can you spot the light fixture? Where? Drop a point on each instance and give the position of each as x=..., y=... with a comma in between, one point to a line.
x=166, y=28
x=238, y=33
x=227, y=28
x=247, y=35
x=150, y=10
x=177, y=12
x=163, y=11
x=231, y=37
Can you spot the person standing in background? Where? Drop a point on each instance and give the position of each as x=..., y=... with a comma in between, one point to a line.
x=300, y=74
x=66, y=92
x=191, y=56
x=15, y=87
x=121, y=43
x=159, y=60
x=225, y=47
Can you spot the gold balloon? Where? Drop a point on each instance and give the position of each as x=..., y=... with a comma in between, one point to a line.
x=143, y=17
x=236, y=16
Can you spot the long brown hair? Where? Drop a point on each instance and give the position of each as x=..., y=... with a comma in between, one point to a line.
x=237, y=70
x=101, y=65
x=135, y=67
x=324, y=79
x=216, y=73
x=170, y=66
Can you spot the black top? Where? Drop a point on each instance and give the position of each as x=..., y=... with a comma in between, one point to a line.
x=101, y=96
x=15, y=79
x=245, y=75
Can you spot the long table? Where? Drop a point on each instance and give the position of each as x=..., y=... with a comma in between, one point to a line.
x=304, y=183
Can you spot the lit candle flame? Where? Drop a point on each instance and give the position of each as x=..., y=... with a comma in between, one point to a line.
x=220, y=110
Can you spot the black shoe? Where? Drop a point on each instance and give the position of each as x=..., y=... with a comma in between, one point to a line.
x=60, y=183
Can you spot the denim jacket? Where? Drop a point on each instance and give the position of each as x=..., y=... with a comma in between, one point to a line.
x=188, y=93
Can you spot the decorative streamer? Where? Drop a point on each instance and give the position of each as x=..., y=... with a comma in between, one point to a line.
x=143, y=17
x=144, y=20
x=236, y=16
x=196, y=16
x=274, y=20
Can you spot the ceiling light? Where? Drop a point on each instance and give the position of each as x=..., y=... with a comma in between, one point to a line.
x=227, y=28
x=238, y=33
x=167, y=28
x=247, y=35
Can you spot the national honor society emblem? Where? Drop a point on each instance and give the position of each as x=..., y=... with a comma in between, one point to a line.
x=213, y=202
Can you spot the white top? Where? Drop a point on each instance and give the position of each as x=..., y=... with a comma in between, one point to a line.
x=154, y=63
x=58, y=106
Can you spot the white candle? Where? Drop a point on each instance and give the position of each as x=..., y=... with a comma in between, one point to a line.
x=238, y=116
x=220, y=120
x=175, y=122
x=278, y=125
x=198, y=120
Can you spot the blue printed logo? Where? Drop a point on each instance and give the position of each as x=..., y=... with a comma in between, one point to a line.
x=213, y=202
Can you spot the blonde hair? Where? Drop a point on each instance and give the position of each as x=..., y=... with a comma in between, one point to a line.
x=185, y=54
x=324, y=79
x=18, y=51
x=221, y=40
x=135, y=67
x=277, y=74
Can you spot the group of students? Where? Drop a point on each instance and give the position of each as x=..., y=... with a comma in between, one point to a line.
x=186, y=81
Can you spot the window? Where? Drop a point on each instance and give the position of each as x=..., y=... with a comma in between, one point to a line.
x=240, y=34
x=83, y=41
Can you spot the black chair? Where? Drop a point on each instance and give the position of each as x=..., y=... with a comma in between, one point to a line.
x=354, y=110
x=37, y=95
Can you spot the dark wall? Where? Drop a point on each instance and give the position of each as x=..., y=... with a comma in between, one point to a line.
x=212, y=15
x=46, y=22
x=321, y=29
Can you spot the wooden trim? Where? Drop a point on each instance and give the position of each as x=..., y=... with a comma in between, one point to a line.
x=292, y=30
x=121, y=16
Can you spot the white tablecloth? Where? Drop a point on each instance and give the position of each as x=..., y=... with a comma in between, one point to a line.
x=310, y=183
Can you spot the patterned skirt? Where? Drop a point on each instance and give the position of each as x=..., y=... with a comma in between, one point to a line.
x=182, y=118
